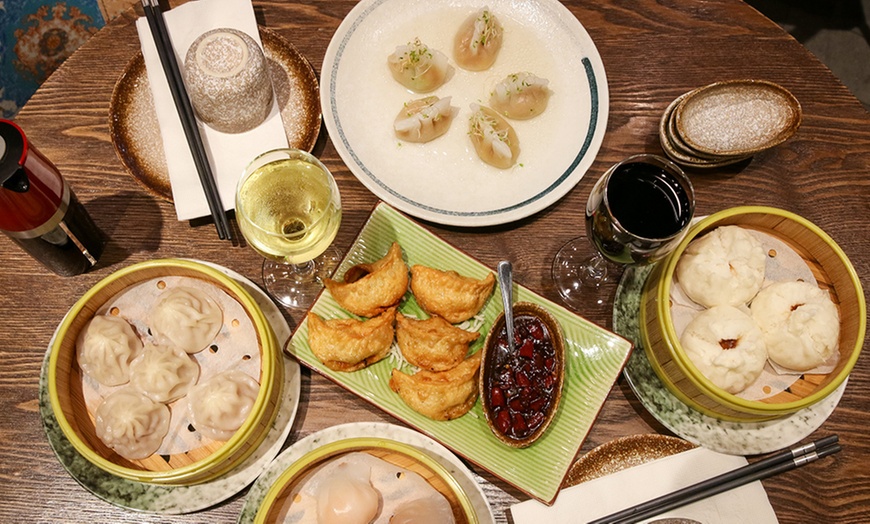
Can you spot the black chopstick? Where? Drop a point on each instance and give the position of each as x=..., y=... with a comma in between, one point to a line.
x=768, y=467
x=185, y=113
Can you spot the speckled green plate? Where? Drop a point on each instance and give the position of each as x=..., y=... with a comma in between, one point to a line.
x=736, y=438
x=594, y=359
x=174, y=500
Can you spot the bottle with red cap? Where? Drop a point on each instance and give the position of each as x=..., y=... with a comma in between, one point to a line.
x=40, y=212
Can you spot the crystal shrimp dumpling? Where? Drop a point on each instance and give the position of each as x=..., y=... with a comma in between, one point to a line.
x=478, y=41
x=494, y=140
x=424, y=119
x=520, y=96
x=419, y=67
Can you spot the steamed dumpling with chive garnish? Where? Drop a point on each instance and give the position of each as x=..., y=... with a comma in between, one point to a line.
x=494, y=140
x=520, y=96
x=478, y=41
x=419, y=67
x=424, y=119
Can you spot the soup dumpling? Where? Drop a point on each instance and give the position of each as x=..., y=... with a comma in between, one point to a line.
x=106, y=347
x=219, y=406
x=419, y=67
x=163, y=373
x=132, y=424
x=478, y=41
x=520, y=96
x=187, y=318
x=424, y=119
x=493, y=138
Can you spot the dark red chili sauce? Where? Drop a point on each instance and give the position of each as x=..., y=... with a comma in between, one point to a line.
x=520, y=387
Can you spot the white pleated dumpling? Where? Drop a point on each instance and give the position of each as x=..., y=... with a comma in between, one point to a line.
x=478, y=41
x=427, y=510
x=132, y=424
x=424, y=119
x=494, y=140
x=347, y=496
x=105, y=348
x=163, y=373
x=219, y=406
x=419, y=67
x=520, y=96
x=186, y=318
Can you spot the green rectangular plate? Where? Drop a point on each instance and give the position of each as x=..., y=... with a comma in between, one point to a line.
x=594, y=359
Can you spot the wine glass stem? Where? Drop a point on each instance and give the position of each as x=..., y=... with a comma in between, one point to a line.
x=594, y=270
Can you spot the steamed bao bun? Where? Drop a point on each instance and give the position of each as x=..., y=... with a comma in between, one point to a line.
x=727, y=347
x=723, y=267
x=801, y=324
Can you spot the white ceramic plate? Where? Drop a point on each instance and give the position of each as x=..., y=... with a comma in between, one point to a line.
x=174, y=500
x=735, y=438
x=367, y=429
x=594, y=358
x=444, y=181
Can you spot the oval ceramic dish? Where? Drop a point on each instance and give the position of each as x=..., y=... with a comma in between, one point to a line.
x=196, y=458
x=286, y=489
x=737, y=117
x=495, y=358
x=834, y=273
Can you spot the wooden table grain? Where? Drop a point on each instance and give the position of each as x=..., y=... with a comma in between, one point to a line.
x=652, y=51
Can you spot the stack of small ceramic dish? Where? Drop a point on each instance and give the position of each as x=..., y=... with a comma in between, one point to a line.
x=727, y=122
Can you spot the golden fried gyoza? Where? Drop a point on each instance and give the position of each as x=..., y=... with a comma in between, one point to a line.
x=448, y=294
x=369, y=289
x=347, y=344
x=443, y=395
x=432, y=344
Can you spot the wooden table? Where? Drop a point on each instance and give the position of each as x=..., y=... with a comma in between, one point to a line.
x=652, y=51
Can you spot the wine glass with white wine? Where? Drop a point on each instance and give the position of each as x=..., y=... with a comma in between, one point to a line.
x=288, y=209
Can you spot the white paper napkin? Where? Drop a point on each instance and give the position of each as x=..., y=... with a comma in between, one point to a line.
x=602, y=496
x=228, y=153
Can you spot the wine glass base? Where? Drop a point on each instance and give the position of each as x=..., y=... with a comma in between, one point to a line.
x=577, y=273
x=296, y=286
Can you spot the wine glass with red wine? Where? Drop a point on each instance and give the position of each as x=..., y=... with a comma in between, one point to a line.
x=637, y=213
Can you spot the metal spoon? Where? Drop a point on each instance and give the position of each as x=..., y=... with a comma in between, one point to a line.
x=506, y=283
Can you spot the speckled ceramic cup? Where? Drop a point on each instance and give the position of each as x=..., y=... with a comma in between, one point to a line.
x=227, y=79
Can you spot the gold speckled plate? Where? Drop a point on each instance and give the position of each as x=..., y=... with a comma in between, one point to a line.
x=136, y=134
x=623, y=453
x=737, y=117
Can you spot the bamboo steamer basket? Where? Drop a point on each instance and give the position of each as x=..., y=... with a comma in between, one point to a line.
x=405, y=456
x=209, y=459
x=834, y=273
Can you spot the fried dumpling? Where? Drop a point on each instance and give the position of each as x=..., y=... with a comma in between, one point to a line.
x=478, y=41
x=424, y=119
x=419, y=67
x=443, y=395
x=493, y=138
x=370, y=289
x=448, y=294
x=347, y=344
x=432, y=344
x=520, y=96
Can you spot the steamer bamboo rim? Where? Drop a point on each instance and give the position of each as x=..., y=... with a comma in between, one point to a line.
x=229, y=454
x=687, y=368
x=285, y=482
